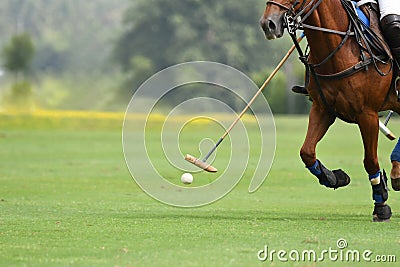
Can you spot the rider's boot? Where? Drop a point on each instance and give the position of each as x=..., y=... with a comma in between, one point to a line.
x=298, y=89
x=391, y=30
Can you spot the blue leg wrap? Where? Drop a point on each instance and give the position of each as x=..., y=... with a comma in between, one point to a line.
x=314, y=169
x=378, y=198
x=395, y=156
x=374, y=176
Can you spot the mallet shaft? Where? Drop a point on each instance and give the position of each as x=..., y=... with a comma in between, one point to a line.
x=388, y=117
x=213, y=149
x=267, y=81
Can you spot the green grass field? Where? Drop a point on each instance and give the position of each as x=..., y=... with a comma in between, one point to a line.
x=67, y=199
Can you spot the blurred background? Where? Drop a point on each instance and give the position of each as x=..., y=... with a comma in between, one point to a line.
x=93, y=55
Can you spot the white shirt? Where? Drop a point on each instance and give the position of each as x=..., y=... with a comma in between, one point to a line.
x=388, y=7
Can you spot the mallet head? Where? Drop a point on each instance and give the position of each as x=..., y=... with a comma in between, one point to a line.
x=199, y=163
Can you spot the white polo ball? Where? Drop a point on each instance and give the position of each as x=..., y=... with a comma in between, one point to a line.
x=187, y=178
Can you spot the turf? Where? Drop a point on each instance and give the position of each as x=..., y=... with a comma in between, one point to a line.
x=67, y=199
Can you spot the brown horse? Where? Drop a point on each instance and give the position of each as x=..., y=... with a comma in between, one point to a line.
x=355, y=96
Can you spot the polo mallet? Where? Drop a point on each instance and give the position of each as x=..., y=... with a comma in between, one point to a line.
x=203, y=163
x=384, y=129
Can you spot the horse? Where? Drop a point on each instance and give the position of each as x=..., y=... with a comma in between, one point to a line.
x=346, y=81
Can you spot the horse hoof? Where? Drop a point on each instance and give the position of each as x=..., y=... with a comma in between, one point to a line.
x=395, y=184
x=382, y=213
x=342, y=179
x=376, y=219
x=331, y=179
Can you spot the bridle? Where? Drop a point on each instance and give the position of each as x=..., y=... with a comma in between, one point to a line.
x=292, y=9
x=292, y=15
x=282, y=5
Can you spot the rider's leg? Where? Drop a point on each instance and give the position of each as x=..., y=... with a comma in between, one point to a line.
x=391, y=29
x=298, y=89
x=390, y=22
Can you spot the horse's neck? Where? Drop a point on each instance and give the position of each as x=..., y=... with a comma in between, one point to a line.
x=330, y=16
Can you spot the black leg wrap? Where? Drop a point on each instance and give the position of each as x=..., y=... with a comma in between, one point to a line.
x=391, y=30
x=380, y=191
x=332, y=179
x=382, y=212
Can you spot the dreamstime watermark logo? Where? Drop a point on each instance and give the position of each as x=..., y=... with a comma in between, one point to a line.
x=176, y=112
x=339, y=253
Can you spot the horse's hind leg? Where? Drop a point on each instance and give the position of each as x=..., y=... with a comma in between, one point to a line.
x=319, y=123
x=368, y=123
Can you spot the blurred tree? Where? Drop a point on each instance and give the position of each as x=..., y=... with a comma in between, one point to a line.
x=20, y=97
x=73, y=42
x=69, y=36
x=142, y=67
x=168, y=32
x=18, y=55
x=74, y=39
x=275, y=93
x=278, y=93
x=174, y=31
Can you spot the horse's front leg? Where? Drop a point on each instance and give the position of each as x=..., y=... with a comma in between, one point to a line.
x=368, y=123
x=318, y=124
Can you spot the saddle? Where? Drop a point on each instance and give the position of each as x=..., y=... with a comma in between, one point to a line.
x=370, y=9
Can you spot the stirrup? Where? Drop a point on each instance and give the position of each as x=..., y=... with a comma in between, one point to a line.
x=299, y=90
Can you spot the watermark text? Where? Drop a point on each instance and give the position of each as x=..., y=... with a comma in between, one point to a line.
x=339, y=253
